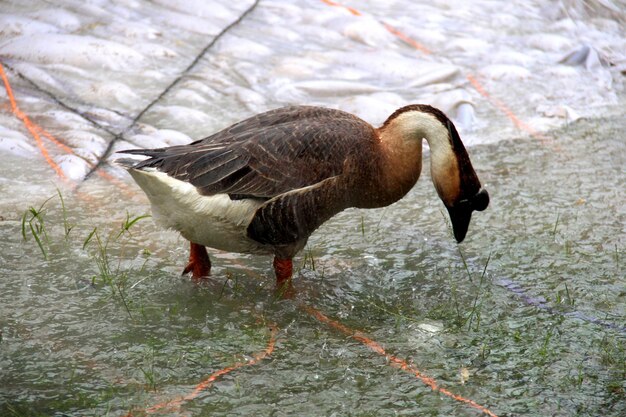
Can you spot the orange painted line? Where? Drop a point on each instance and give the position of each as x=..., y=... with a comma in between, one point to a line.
x=32, y=127
x=129, y=191
x=37, y=130
x=115, y=181
x=350, y=9
x=399, y=362
x=176, y=403
x=504, y=108
x=415, y=44
x=102, y=174
x=378, y=348
x=473, y=80
x=54, y=140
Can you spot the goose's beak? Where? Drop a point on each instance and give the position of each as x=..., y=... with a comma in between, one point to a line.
x=461, y=212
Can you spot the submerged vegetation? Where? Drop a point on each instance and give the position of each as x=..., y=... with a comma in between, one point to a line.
x=33, y=222
x=527, y=316
x=105, y=246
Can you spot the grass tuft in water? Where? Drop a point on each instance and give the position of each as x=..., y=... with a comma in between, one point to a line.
x=67, y=226
x=33, y=222
x=309, y=258
x=362, y=226
x=130, y=221
x=38, y=223
x=396, y=311
x=113, y=275
x=544, y=349
x=467, y=271
x=148, y=371
x=556, y=223
x=474, y=314
x=463, y=306
x=116, y=279
x=564, y=297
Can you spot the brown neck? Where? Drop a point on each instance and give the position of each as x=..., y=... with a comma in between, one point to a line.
x=401, y=139
x=402, y=160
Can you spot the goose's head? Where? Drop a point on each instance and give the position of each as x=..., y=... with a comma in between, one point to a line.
x=452, y=172
x=461, y=212
x=454, y=177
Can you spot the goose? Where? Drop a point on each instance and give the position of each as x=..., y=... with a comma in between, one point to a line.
x=265, y=184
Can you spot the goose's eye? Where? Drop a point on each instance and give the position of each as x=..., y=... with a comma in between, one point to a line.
x=464, y=204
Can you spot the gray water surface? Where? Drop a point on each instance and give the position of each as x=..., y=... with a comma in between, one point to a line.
x=535, y=325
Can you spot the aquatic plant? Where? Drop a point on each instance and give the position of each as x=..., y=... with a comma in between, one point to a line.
x=41, y=223
x=113, y=275
x=67, y=226
x=474, y=315
x=37, y=227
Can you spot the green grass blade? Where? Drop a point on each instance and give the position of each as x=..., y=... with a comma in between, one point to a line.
x=39, y=242
x=128, y=223
x=86, y=242
x=67, y=227
x=24, y=225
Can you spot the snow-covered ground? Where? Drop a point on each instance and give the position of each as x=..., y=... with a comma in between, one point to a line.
x=102, y=75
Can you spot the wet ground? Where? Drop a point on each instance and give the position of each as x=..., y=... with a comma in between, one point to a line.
x=526, y=317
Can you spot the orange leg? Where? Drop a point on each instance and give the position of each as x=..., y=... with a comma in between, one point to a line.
x=284, y=271
x=199, y=263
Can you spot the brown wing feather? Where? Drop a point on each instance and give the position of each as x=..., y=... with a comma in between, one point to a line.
x=268, y=154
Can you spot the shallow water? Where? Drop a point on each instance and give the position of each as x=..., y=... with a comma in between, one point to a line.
x=526, y=317
x=535, y=325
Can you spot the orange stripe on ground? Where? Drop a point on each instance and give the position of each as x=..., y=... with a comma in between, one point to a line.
x=475, y=83
x=32, y=127
x=412, y=42
x=37, y=130
x=415, y=44
x=504, y=108
x=123, y=186
x=378, y=348
x=175, y=404
x=350, y=9
x=115, y=181
x=54, y=140
x=129, y=191
x=401, y=363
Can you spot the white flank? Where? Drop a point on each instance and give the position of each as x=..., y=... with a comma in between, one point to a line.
x=214, y=221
